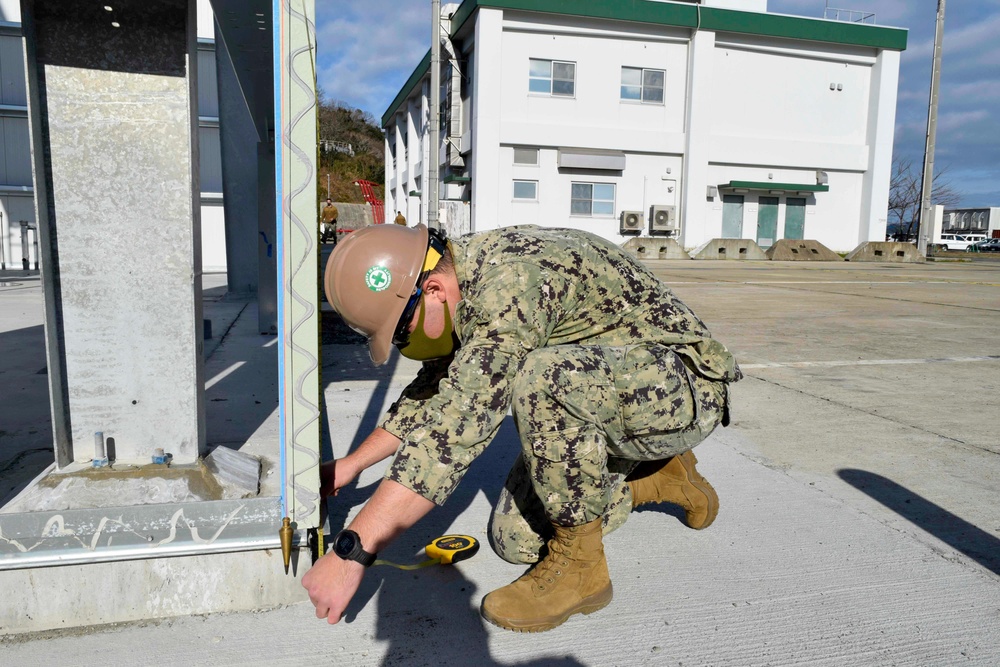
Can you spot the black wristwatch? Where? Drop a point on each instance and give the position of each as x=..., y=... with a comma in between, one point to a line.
x=347, y=545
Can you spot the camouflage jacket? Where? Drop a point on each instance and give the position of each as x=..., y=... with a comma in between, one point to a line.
x=525, y=288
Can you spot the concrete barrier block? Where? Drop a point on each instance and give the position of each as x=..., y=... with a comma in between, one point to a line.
x=729, y=249
x=351, y=217
x=801, y=250
x=885, y=251
x=646, y=247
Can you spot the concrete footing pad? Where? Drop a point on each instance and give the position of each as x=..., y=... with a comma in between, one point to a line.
x=729, y=249
x=807, y=250
x=885, y=251
x=78, y=596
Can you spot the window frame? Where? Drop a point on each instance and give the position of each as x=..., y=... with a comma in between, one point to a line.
x=525, y=164
x=551, y=78
x=593, y=185
x=513, y=194
x=642, y=85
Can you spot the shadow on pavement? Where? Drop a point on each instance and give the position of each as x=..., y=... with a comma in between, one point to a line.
x=25, y=417
x=959, y=534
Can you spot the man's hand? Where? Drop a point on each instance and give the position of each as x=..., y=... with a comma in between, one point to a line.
x=335, y=475
x=331, y=584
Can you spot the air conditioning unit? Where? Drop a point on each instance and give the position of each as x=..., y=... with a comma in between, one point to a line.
x=663, y=219
x=631, y=222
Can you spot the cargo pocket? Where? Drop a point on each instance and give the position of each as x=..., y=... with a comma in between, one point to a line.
x=566, y=469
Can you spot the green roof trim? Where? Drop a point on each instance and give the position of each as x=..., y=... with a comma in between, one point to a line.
x=768, y=185
x=679, y=15
x=451, y=178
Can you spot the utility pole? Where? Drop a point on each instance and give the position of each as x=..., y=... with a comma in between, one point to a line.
x=927, y=184
x=434, y=168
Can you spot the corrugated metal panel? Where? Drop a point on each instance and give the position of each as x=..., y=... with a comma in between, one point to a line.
x=210, y=152
x=17, y=154
x=12, y=87
x=208, y=87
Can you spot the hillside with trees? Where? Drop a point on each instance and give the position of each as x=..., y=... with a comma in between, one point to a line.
x=351, y=148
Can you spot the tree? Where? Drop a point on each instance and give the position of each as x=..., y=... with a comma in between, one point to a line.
x=341, y=126
x=905, y=191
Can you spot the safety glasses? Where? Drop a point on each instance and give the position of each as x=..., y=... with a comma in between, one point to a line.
x=436, y=245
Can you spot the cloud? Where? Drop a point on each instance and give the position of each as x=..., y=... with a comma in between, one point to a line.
x=367, y=50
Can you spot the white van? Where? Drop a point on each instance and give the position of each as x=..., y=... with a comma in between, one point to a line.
x=954, y=242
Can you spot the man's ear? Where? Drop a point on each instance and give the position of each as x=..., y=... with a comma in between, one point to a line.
x=434, y=289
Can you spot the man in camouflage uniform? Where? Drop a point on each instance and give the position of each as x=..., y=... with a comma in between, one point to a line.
x=610, y=378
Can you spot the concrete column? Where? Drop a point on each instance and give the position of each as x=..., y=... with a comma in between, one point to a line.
x=486, y=119
x=238, y=138
x=402, y=155
x=114, y=122
x=390, y=192
x=881, y=128
x=694, y=179
x=414, y=155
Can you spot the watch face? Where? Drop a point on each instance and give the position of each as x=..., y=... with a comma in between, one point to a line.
x=344, y=544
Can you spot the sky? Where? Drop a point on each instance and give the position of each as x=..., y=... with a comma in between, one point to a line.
x=368, y=49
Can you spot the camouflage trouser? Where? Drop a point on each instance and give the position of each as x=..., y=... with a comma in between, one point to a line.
x=586, y=416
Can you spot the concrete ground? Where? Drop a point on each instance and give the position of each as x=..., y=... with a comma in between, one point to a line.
x=859, y=484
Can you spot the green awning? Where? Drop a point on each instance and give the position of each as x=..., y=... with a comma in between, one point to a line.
x=776, y=188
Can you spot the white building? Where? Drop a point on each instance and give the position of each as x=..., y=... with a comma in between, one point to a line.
x=982, y=220
x=710, y=121
x=17, y=202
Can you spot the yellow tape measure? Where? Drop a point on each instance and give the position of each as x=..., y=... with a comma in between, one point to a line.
x=445, y=550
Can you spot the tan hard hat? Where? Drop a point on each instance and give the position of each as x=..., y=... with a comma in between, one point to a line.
x=370, y=277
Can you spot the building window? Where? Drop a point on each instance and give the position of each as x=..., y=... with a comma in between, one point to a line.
x=526, y=190
x=592, y=199
x=642, y=85
x=551, y=77
x=526, y=156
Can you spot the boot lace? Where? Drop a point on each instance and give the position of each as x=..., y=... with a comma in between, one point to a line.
x=554, y=563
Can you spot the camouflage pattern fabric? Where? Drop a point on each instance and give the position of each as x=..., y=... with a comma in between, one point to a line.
x=529, y=289
x=586, y=416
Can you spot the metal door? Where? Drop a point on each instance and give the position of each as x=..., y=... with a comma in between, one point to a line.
x=732, y=216
x=795, y=218
x=767, y=221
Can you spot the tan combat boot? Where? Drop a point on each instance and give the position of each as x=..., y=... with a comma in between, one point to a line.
x=572, y=578
x=676, y=481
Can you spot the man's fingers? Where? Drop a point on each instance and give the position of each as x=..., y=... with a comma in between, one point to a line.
x=322, y=612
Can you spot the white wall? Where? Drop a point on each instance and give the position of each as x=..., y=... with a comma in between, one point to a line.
x=644, y=182
x=15, y=208
x=213, y=238
x=10, y=11
x=787, y=97
x=596, y=116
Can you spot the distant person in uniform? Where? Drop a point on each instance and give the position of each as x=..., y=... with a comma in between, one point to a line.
x=328, y=225
x=400, y=220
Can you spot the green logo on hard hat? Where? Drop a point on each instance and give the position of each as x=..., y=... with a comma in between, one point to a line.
x=378, y=278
